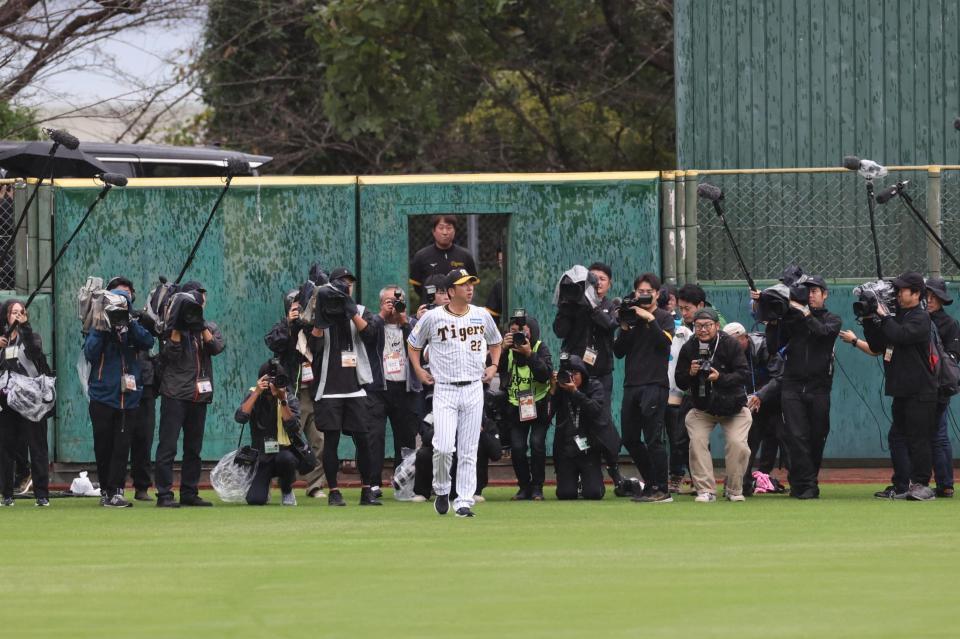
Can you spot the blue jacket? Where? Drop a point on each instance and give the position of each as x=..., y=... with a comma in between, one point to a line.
x=111, y=356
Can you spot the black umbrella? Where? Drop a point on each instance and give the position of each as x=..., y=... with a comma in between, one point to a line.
x=30, y=158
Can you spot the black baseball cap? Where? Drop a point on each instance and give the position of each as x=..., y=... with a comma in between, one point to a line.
x=461, y=276
x=938, y=287
x=910, y=279
x=814, y=280
x=440, y=281
x=706, y=314
x=342, y=273
x=192, y=285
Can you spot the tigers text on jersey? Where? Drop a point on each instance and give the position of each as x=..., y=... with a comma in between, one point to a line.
x=458, y=343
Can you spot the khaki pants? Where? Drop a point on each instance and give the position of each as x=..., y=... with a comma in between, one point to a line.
x=736, y=428
x=314, y=478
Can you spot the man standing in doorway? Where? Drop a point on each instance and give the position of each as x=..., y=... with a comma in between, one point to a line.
x=442, y=256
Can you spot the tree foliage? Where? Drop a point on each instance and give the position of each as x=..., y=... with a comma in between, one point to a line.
x=441, y=85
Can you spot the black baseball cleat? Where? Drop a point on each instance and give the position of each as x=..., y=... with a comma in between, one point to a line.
x=442, y=504
x=369, y=498
x=335, y=498
x=465, y=512
x=167, y=501
x=194, y=500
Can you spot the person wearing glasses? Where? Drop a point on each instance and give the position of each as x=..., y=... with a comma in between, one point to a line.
x=713, y=368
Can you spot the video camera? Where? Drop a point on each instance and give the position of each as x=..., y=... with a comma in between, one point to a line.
x=624, y=312
x=116, y=310
x=774, y=302
x=574, y=293
x=184, y=313
x=871, y=295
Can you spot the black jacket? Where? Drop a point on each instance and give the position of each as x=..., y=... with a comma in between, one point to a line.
x=806, y=344
x=725, y=396
x=586, y=403
x=187, y=361
x=949, y=331
x=263, y=418
x=908, y=373
x=282, y=342
x=431, y=260
x=580, y=326
x=647, y=349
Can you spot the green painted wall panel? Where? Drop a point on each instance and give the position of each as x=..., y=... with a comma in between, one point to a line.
x=260, y=245
x=552, y=227
x=783, y=84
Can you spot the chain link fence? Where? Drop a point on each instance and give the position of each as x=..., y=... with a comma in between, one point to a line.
x=818, y=220
x=950, y=217
x=7, y=219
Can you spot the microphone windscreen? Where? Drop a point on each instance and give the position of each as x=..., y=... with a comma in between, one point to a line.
x=887, y=194
x=710, y=192
x=113, y=179
x=65, y=139
x=237, y=166
x=851, y=162
x=956, y=124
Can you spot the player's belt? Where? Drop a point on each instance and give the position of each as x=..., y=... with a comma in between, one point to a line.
x=457, y=383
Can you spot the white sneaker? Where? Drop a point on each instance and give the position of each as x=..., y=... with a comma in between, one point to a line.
x=289, y=499
x=317, y=494
x=419, y=499
x=736, y=498
x=479, y=499
x=705, y=498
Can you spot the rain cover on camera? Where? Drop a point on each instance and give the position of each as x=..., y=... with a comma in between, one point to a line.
x=231, y=479
x=578, y=273
x=31, y=397
x=403, y=475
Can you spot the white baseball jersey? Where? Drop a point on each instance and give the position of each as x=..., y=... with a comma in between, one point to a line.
x=458, y=343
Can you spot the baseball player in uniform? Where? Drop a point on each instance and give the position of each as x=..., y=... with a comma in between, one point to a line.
x=459, y=335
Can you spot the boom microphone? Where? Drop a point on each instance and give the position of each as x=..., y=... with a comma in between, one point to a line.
x=956, y=124
x=62, y=137
x=113, y=179
x=868, y=169
x=710, y=192
x=237, y=166
x=891, y=192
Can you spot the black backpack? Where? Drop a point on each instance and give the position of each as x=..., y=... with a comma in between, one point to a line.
x=944, y=367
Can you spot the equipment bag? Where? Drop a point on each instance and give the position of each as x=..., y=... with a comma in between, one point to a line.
x=944, y=367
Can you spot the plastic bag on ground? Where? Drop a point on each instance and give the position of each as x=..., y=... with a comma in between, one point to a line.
x=231, y=479
x=403, y=475
x=83, y=486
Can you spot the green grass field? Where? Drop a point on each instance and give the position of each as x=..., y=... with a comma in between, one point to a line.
x=845, y=566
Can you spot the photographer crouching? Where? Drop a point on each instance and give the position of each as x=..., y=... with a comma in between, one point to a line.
x=115, y=389
x=903, y=337
x=712, y=366
x=577, y=400
x=274, y=417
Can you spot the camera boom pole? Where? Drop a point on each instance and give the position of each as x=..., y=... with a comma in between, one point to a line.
x=203, y=231
x=873, y=228
x=901, y=190
x=103, y=193
x=733, y=243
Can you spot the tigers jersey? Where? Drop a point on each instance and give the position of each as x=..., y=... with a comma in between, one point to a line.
x=458, y=343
